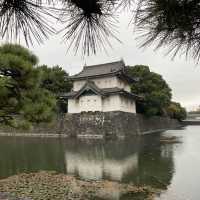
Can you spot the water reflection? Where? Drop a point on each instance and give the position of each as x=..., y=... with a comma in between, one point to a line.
x=19, y=155
x=141, y=160
x=96, y=161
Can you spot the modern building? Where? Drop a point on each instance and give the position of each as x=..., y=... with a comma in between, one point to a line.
x=105, y=88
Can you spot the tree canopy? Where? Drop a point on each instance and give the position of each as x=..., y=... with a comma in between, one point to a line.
x=171, y=23
x=22, y=100
x=90, y=24
x=175, y=110
x=156, y=92
x=54, y=79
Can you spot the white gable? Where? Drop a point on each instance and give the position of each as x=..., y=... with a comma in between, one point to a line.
x=104, y=82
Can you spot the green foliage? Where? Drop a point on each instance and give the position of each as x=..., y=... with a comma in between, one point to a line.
x=156, y=92
x=55, y=79
x=19, y=51
x=89, y=25
x=22, y=100
x=174, y=23
x=176, y=111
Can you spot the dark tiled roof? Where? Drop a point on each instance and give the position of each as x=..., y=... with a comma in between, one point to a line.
x=68, y=95
x=116, y=90
x=100, y=70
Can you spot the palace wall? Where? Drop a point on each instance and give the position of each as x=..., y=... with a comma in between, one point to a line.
x=98, y=125
x=114, y=124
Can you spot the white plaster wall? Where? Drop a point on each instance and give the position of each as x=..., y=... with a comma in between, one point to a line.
x=118, y=103
x=73, y=106
x=111, y=103
x=85, y=103
x=105, y=82
x=77, y=85
x=127, y=88
x=90, y=103
x=96, y=103
x=127, y=105
x=122, y=84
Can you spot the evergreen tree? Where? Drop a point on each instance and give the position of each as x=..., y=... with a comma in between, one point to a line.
x=56, y=80
x=22, y=100
x=176, y=111
x=171, y=23
x=156, y=92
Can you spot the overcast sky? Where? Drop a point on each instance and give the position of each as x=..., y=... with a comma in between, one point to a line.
x=182, y=75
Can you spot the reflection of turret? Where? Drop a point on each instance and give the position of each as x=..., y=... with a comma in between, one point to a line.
x=84, y=167
x=116, y=170
x=95, y=168
x=141, y=161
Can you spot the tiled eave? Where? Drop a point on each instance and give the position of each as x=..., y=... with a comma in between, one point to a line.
x=104, y=92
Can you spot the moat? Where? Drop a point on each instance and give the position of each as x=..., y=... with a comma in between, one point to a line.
x=154, y=159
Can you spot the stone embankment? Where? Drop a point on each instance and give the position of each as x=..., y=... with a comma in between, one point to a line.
x=97, y=125
x=114, y=124
x=53, y=186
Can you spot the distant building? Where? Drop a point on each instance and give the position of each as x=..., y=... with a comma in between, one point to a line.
x=104, y=88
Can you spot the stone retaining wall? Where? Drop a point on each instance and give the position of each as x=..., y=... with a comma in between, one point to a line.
x=98, y=125
x=114, y=124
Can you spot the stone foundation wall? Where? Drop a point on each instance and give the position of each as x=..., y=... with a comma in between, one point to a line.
x=98, y=125
x=114, y=124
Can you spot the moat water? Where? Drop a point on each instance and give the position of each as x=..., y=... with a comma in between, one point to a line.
x=151, y=160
